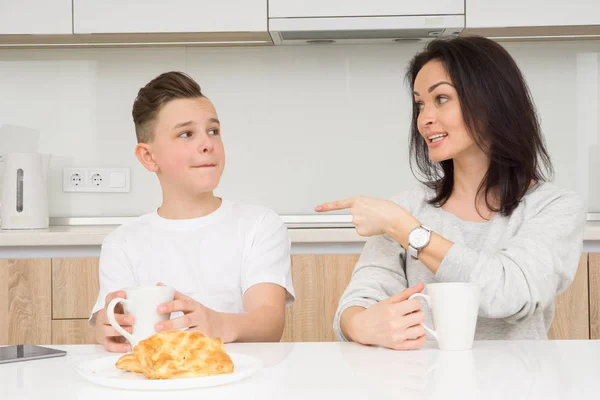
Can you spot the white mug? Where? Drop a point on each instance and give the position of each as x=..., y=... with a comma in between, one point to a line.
x=454, y=308
x=142, y=303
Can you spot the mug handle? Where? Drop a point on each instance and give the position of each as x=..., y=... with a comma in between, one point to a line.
x=428, y=300
x=110, y=313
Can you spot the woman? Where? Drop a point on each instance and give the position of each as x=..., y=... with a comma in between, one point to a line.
x=494, y=218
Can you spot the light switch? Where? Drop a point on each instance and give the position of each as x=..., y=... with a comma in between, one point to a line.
x=117, y=180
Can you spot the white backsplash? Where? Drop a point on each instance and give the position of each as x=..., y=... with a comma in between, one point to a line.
x=301, y=125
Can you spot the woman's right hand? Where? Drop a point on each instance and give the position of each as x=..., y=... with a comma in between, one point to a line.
x=105, y=334
x=393, y=323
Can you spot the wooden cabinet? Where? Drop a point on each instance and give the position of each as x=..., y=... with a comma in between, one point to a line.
x=72, y=331
x=531, y=13
x=572, y=316
x=156, y=16
x=74, y=287
x=74, y=291
x=45, y=301
x=25, y=301
x=319, y=281
x=36, y=17
x=358, y=8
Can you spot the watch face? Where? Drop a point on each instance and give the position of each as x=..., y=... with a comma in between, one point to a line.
x=418, y=237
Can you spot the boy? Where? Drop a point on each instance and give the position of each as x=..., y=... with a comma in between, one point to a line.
x=228, y=262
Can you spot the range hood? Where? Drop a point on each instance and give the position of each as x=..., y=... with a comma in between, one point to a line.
x=357, y=30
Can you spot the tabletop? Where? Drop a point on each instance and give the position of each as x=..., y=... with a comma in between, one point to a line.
x=491, y=370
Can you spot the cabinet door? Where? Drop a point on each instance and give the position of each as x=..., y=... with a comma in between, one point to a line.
x=156, y=16
x=36, y=17
x=319, y=281
x=358, y=8
x=572, y=317
x=74, y=287
x=25, y=301
x=519, y=13
x=72, y=331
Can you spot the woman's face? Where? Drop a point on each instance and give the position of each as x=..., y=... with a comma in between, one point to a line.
x=440, y=120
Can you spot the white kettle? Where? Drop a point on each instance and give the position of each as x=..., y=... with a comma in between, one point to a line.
x=25, y=191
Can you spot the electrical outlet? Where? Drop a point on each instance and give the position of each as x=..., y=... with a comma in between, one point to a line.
x=97, y=179
x=75, y=179
x=115, y=180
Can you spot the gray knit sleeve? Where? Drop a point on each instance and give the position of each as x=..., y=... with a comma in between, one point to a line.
x=379, y=274
x=534, y=266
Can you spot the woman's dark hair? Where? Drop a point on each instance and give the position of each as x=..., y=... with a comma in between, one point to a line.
x=499, y=114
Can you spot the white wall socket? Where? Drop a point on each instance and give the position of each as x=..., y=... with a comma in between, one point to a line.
x=98, y=180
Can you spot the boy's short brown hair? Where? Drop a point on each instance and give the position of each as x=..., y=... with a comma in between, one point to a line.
x=158, y=92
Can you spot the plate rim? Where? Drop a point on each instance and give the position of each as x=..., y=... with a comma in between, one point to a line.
x=255, y=364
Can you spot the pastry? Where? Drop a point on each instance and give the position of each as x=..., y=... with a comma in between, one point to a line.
x=177, y=354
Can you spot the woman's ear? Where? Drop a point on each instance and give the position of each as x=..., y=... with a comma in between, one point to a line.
x=143, y=153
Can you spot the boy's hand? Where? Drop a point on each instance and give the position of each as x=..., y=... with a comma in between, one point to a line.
x=105, y=334
x=196, y=317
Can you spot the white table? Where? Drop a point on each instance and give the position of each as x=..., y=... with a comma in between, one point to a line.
x=311, y=371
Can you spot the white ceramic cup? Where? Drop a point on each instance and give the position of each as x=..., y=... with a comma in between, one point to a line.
x=142, y=303
x=454, y=308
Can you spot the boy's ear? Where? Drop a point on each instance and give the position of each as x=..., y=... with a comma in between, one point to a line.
x=142, y=152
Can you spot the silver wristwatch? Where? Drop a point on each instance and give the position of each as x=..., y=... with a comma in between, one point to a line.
x=418, y=238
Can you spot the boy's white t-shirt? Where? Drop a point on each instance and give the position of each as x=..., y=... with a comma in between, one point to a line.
x=213, y=259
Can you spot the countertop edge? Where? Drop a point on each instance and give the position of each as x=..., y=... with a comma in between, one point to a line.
x=93, y=235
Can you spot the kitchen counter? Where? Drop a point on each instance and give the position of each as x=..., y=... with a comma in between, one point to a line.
x=531, y=370
x=93, y=235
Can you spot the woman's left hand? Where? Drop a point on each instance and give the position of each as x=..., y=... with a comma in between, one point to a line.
x=370, y=216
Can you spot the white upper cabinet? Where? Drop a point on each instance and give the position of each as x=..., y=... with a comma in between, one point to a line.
x=360, y=8
x=36, y=17
x=177, y=16
x=531, y=13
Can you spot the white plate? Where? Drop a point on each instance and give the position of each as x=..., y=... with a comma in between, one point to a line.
x=102, y=371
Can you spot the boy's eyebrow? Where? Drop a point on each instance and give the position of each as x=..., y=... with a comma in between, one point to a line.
x=187, y=123
x=182, y=124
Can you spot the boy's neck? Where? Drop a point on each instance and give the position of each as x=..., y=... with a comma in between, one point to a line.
x=188, y=208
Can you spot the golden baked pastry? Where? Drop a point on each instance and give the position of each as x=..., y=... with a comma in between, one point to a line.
x=177, y=354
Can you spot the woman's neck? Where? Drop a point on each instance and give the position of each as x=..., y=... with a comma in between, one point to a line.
x=464, y=202
x=469, y=172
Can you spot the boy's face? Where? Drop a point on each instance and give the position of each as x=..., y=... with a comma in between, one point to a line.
x=187, y=146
